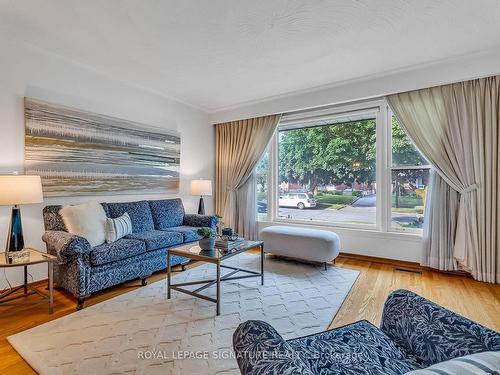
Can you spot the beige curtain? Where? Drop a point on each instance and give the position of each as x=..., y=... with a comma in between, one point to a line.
x=239, y=146
x=456, y=127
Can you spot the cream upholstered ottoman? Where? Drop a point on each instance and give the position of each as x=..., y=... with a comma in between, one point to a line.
x=313, y=245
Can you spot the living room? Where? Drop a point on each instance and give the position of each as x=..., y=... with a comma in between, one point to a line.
x=257, y=188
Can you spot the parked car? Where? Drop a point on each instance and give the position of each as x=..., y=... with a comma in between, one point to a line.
x=299, y=200
x=262, y=207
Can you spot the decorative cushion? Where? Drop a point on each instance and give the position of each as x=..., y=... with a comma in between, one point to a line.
x=189, y=233
x=118, y=228
x=121, y=249
x=485, y=363
x=139, y=212
x=167, y=213
x=157, y=239
x=358, y=348
x=85, y=220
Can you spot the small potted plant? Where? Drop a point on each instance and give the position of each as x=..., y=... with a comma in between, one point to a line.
x=208, y=240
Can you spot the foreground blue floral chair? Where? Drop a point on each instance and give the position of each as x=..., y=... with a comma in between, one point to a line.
x=415, y=333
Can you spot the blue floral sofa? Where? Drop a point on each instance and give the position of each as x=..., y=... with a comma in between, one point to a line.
x=156, y=226
x=415, y=333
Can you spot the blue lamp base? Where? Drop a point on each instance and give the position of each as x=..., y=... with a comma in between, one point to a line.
x=201, y=207
x=15, y=239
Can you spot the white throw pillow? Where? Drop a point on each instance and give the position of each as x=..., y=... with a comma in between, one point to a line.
x=87, y=220
x=485, y=363
x=118, y=228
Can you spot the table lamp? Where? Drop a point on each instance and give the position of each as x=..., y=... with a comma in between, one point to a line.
x=201, y=188
x=16, y=190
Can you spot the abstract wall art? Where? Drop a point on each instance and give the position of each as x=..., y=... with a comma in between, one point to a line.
x=82, y=153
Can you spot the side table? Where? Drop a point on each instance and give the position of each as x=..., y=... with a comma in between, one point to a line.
x=33, y=257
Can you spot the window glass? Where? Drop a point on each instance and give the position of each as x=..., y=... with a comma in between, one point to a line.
x=326, y=172
x=334, y=167
x=403, y=150
x=409, y=181
x=262, y=174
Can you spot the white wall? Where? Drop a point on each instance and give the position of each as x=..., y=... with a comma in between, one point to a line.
x=372, y=243
x=28, y=71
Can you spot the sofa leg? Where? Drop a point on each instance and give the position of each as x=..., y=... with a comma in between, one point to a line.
x=334, y=261
x=144, y=281
x=177, y=268
x=80, y=302
x=325, y=266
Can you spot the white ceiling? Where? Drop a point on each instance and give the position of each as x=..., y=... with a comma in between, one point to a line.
x=215, y=54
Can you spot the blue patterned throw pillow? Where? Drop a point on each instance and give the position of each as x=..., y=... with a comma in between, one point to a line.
x=118, y=228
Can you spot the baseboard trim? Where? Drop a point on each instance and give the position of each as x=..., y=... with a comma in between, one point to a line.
x=392, y=262
x=400, y=263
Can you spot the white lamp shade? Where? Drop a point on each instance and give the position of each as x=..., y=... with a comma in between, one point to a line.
x=201, y=187
x=20, y=189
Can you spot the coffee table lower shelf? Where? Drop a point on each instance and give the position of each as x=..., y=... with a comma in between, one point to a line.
x=216, y=260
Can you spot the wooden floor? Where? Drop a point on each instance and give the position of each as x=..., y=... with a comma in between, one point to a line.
x=475, y=300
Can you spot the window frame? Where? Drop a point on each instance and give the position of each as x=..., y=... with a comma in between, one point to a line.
x=383, y=115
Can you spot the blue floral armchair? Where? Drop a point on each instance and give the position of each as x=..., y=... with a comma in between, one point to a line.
x=415, y=333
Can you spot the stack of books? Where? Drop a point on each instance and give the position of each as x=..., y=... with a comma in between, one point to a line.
x=225, y=242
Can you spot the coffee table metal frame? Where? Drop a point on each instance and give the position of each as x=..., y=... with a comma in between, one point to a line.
x=217, y=260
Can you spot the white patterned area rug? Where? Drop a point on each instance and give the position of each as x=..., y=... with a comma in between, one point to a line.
x=141, y=332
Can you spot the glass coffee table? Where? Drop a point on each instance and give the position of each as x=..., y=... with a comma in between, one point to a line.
x=215, y=256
